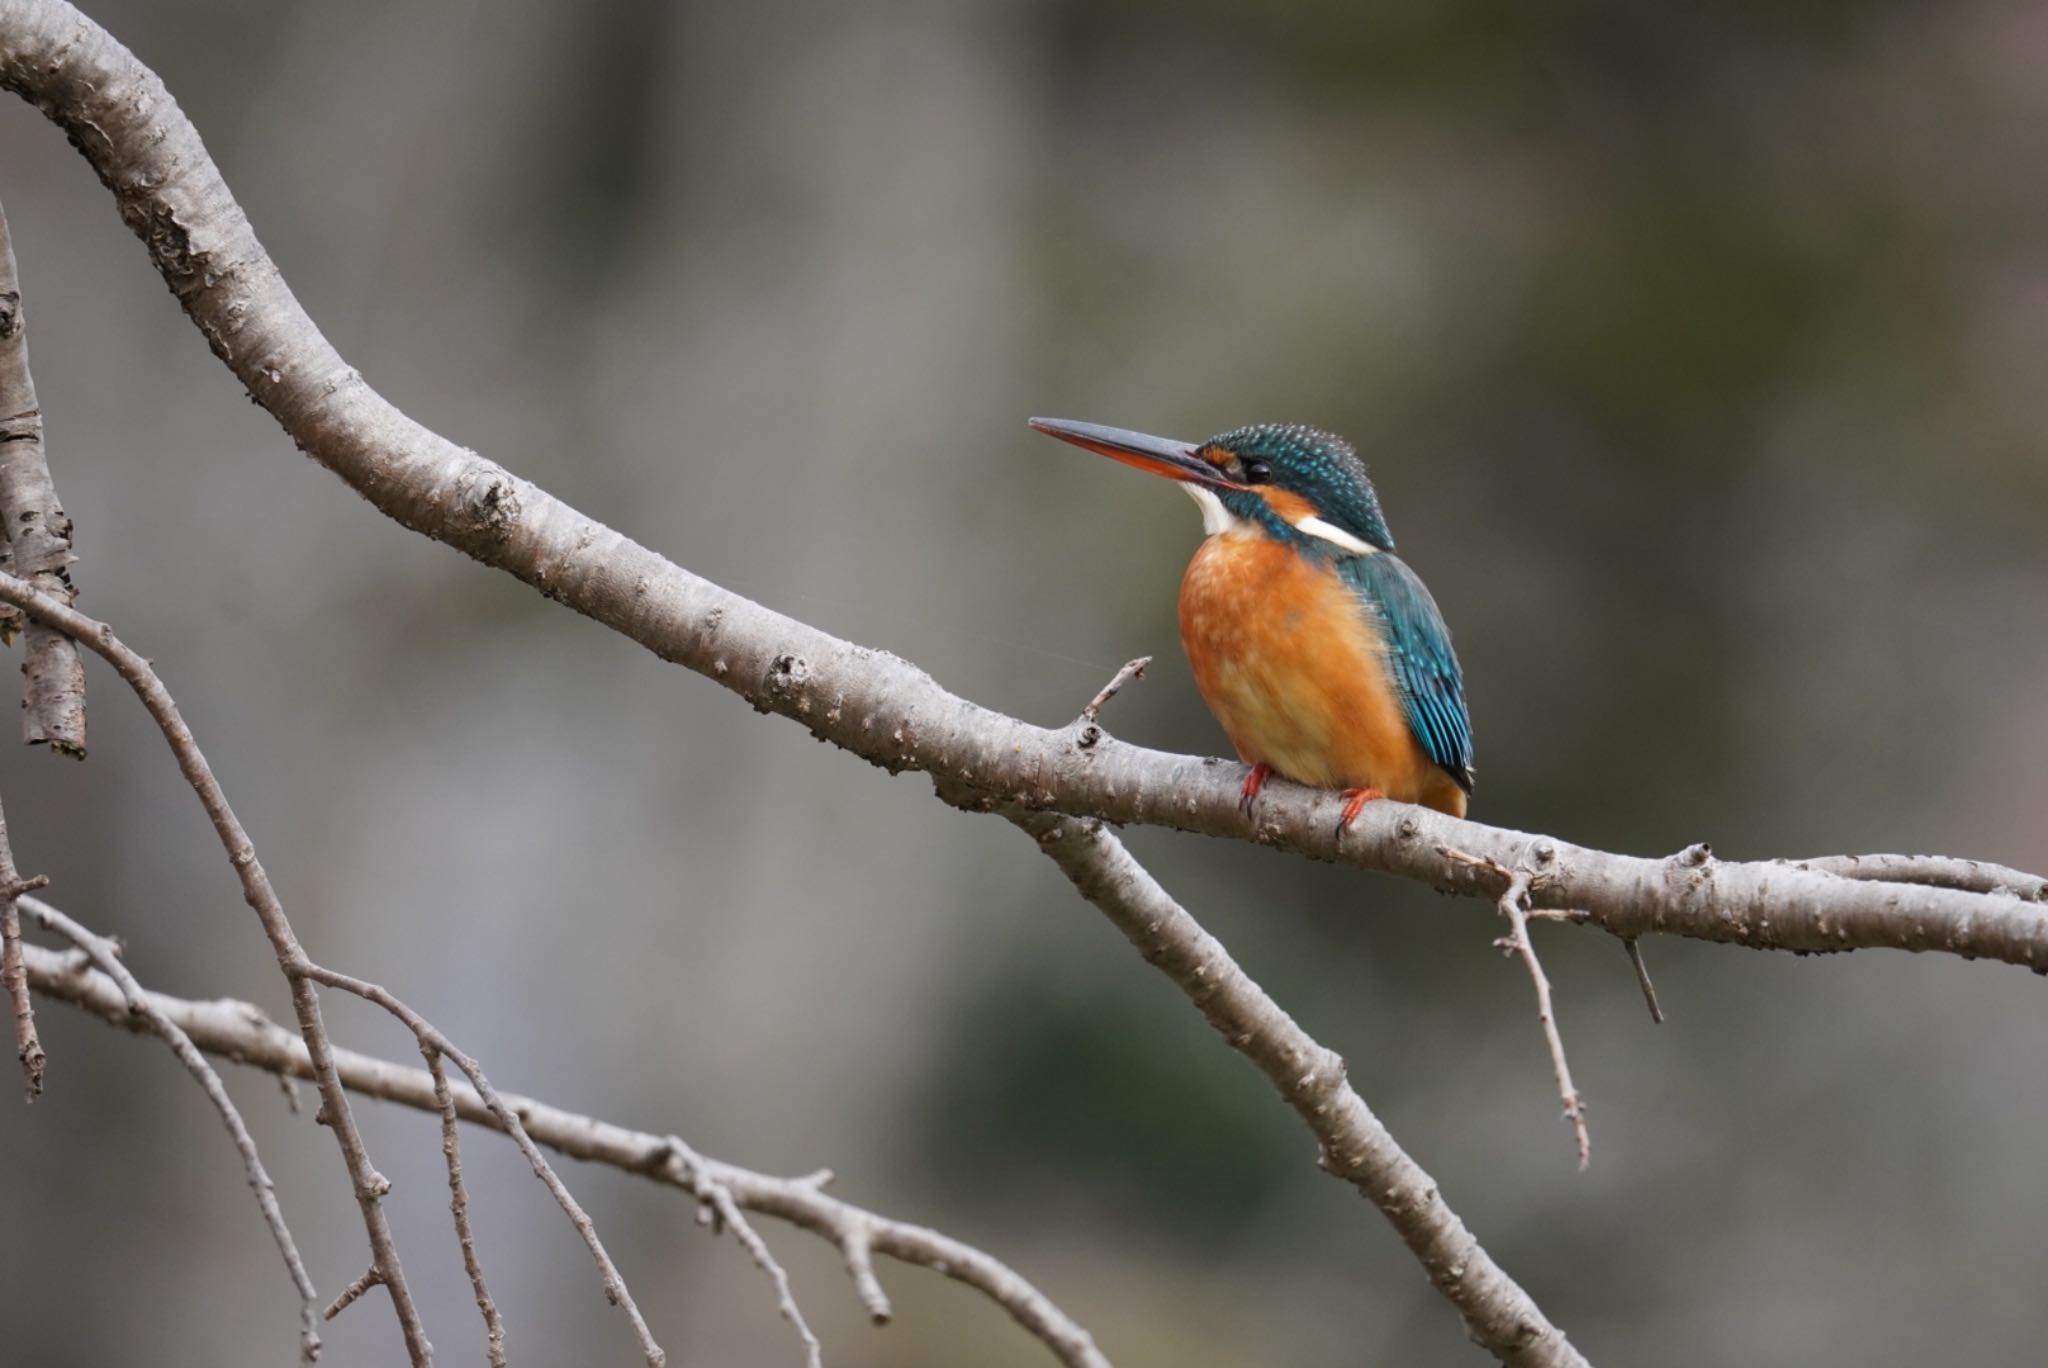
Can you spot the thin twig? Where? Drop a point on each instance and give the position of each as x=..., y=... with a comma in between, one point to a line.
x=857, y=1248
x=458, y=1206
x=1514, y=904
x=240, y=1032
x=1132, y=670
x=371, y=1277
x=28, y=1046
x=370, y=1186
x=1635, y=958
x=1517, y=941
x=37, y=533
x=101, y=953
x=710, y=1190
x=432, y=1042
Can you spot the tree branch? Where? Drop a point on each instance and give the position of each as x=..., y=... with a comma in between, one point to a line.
x=884, y=709
x=1355, y=1146
x=241, y=1032
x=37, y=533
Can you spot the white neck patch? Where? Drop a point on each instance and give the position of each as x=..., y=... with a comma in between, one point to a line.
x=1218, y=520
x=1335, y=535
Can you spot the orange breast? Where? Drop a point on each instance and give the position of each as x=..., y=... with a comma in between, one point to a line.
x=1294, y=669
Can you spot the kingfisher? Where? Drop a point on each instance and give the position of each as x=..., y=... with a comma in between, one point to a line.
x=1317, y=648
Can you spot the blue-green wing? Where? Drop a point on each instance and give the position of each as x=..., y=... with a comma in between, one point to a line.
x=1419, y=650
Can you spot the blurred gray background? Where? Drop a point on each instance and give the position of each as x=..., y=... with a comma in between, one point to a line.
x=1699, y=363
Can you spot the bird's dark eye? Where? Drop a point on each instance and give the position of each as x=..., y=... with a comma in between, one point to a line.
x=1257, y=472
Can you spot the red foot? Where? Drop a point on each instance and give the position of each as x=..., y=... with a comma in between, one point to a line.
x=1354, y=803
x=1253, y=782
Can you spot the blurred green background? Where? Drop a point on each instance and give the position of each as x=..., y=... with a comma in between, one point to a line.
x=1697, y=356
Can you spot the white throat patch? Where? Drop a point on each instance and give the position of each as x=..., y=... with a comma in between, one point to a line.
x=1215, y=517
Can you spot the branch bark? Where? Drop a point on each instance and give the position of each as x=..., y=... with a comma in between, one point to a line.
x=37, y=532
x=1935, y=871
x=241, y=1032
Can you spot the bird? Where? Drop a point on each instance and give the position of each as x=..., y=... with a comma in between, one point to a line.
x=1319, y=650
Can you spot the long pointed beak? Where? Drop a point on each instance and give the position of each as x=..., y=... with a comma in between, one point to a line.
x=1160, y=455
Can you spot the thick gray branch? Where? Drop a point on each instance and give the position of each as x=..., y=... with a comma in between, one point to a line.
x=241, y=1032
x=1355, y=1147
x=874, y=704
x=37, y=533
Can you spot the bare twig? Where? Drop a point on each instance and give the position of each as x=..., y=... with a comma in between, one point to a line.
x=37, y=533
x=1635, y=959
x=101, y=952
x=370, y=1185
x=1132, y=670
x=242, y=1033
x=28, y=1046
x=857, y=1248
x=1356, y=1147
x=371, y=1277
x=720, y=1199
x=458, y=1206
x=1512, y=906
x=431, y=1043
